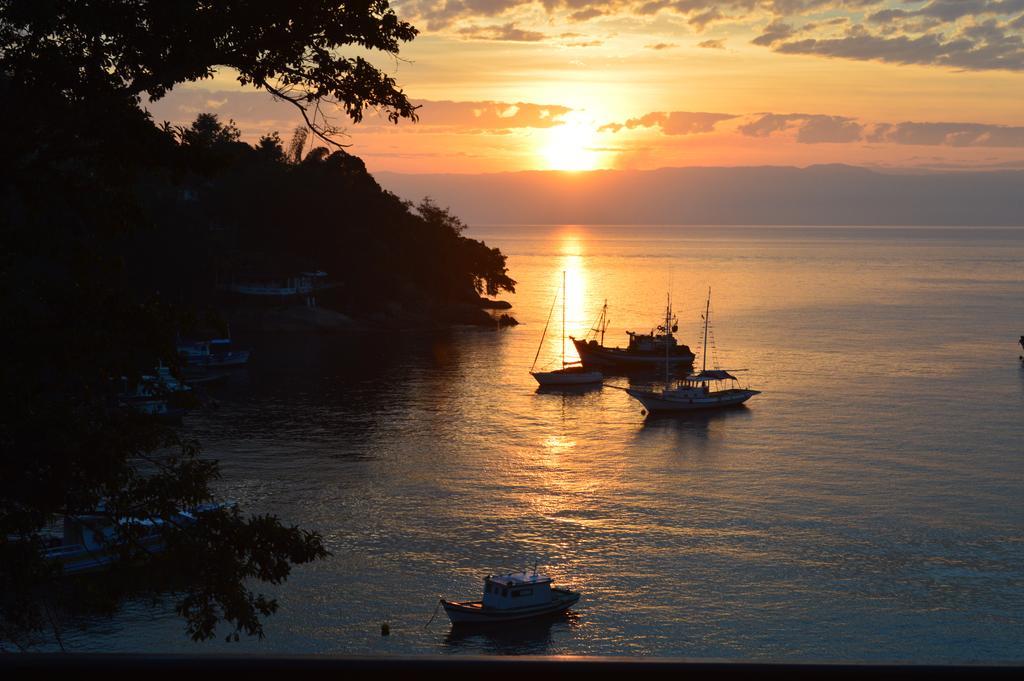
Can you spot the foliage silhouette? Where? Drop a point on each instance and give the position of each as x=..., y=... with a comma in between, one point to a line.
x=92, y=194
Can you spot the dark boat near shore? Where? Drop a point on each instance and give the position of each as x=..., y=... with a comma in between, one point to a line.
x=645, y=350
x=90, y=542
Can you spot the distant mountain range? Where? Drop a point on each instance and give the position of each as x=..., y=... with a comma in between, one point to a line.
x=817, y=195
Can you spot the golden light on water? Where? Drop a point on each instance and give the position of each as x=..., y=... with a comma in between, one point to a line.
x=558, y=444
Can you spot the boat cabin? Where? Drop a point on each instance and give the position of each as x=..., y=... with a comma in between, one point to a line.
x=516, y=590
x=650, y=342
x=700, y=385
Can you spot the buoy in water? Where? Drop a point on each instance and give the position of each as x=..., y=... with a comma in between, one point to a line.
x=385, y=630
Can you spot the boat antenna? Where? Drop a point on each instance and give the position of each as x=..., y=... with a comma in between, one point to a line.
x=707, y=314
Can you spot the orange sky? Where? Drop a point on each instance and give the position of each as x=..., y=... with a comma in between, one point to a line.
x=568, y=84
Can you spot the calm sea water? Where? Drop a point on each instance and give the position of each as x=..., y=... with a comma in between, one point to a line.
x=868, y=506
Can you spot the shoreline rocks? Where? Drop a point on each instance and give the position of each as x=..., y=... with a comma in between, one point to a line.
x=289, y=318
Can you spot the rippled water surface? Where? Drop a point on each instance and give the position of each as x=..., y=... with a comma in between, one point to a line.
x=868, y=506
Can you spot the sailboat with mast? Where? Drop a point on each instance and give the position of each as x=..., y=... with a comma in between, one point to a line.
x=710, y=389
x=571, y=373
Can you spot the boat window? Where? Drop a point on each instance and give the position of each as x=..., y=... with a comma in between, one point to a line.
x=522, y=592
x=504, y=592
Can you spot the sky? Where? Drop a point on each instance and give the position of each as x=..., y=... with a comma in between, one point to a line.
x=512, y=85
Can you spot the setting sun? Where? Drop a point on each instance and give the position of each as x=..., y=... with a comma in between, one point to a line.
x=569, y=147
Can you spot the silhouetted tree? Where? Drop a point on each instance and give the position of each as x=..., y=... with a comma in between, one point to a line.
x=271, y=148
x=136, y=47
x=85, y=179
x=298, y=144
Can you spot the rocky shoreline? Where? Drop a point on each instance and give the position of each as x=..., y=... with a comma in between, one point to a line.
x=289, y=318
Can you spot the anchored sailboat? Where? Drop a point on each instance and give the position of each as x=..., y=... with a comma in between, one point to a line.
x=695, y=391
x=571, y=373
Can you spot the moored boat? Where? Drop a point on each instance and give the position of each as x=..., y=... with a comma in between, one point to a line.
x=571, y=373
x=645, y=350
x=695, y=392
x=213, y=352
x=90, y=542
x=510, y=597
x=160, y=395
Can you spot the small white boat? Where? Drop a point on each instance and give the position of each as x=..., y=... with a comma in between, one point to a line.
x=571, y=373
x=515, y=596
x=213, y=352
x=160, y=395
x=695, y=391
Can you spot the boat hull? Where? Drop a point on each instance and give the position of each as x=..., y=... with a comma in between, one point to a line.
x=658, y=402
x=234, y=358
x=563, y=377
x=475, y=613
x=598, y=355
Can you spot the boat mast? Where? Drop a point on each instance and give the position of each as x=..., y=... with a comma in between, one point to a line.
x=604, y=323
x=668, y=325
x=544, y=334
x=707, y=314
x=563, y=318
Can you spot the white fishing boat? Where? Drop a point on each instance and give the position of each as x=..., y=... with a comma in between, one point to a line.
x=510, y=597
x=709, y=389
x=571, y=373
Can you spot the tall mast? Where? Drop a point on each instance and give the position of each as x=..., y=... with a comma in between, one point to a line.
x=707, y=313
x=668, y=326
x=563, y=318
x=604, y=323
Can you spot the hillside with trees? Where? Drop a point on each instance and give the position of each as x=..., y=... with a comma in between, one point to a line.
x=113, y=228
x=232, y=207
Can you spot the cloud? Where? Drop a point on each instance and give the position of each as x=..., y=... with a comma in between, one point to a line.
x=810, y=128
x=829, y=129
x=701, y=20
x=257, y=113
x=712, y=44
x=585, y=14
x=507, y=32
x=490, y=115
x=949, y=134
x=963, y=34
x=773, y=33
x=661, y=46
x=927, y=49
x=672, y=122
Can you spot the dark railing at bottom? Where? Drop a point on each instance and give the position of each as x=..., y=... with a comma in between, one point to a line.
x=525, y=667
